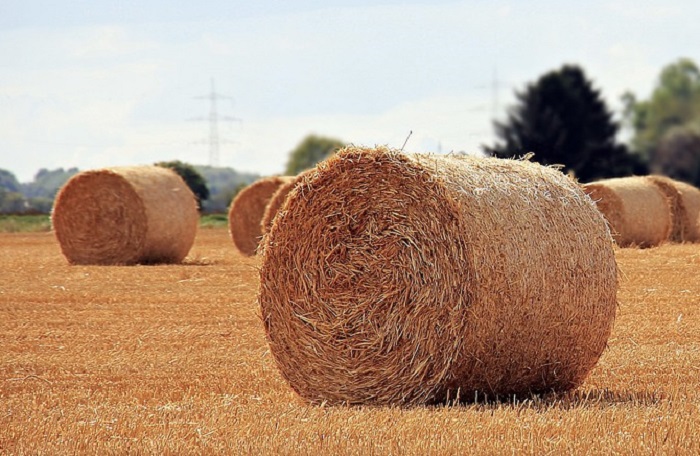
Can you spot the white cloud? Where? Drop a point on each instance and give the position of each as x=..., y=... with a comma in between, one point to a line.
x=89, y=96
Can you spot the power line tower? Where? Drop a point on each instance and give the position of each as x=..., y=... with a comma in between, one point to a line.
x=213, y=119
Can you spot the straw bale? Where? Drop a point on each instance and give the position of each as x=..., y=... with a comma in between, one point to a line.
x=392, y=278
x=247, y=210
x=274, y=205
x=685, y=207
x=638, y=211
x=690, y=198
x=125, y=215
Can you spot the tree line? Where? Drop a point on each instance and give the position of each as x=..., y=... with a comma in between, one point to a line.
x=559, y=119
x=563, y=119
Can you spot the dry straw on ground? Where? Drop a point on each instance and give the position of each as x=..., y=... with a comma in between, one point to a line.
x=637, y=210
x=684, y=200
x=125, y=215
x=247, y=210
x=410, y=279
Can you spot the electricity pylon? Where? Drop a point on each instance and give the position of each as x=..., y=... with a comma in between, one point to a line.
x=213, y=120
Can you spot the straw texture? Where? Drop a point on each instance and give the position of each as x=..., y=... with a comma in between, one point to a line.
x=125, y=215
x=411, y=279
x=247, y=210
x=638, y=211
x=685, y=208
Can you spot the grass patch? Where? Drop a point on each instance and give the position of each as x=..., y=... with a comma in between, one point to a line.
x=25, y=223
x=213, y=221
x=42, y=222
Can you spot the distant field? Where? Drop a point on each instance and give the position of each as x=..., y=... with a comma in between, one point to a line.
x=24, y=223
x=173, y=360
x=42, y=222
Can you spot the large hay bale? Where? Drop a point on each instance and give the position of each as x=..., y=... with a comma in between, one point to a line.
x=125, y=215
x=247, y=210
x=637, y=210
x=685, y=208
x=408, y=279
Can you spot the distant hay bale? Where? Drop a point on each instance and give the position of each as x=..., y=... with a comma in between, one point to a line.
x=125, y=215
x=247, y=210
x=675, y=204
x=273, y=206
x=637, y=210
x=410, y=279
x=277, y=201
x=685, y=208
x=690, y=197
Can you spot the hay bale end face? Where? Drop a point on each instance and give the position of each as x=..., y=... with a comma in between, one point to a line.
x=247, y=210
x=403, y=279
x=638, y=211
x=684, y=200
x=125, y=215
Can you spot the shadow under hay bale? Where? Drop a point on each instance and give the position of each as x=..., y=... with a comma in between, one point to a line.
x=247, y=210
x=125, y=215
x=684, y=200
x=412, y=279
x=637, y=210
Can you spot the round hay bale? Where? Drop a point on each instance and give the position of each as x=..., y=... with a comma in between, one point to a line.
x=637, y=210
x=690, y=199
x=274, y=205
x=685, y=208
x=277, y=201
x=247, y=210
x=409, y=279
x=125, y=215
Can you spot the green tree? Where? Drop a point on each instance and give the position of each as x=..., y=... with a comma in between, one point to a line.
x=12, y=202
x=678, y=154
x=47, y=182
x=309, y=152
x=674, y=103
x=39, y=205
x=192, y=178
x=222, y=183
x=563, y=120
x=8, y=181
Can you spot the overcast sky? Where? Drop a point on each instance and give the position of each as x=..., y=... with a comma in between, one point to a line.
x=94, y=83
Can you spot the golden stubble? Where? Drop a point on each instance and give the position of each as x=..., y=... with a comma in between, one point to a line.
x=172, y=359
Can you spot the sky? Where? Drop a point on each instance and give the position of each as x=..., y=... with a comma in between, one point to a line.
x=91, y=84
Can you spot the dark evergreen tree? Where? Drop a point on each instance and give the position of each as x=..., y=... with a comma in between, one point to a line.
x=563, y=120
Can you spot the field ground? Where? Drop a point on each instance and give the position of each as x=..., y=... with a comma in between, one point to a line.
x=173, y=360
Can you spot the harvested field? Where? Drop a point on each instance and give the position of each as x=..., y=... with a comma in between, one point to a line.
x=172, y=359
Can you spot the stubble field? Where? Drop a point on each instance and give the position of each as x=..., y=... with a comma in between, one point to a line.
x=172, y=359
